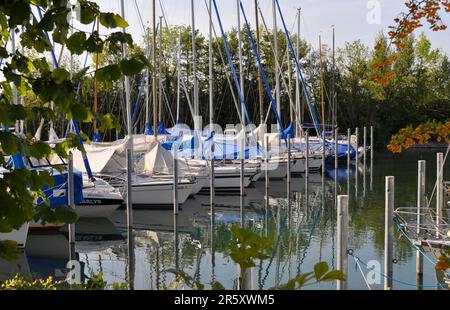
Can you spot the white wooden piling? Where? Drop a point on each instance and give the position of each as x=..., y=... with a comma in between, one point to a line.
x=372, y=145
x=176, y=242
x=342, y=239
x=129, y=190
x=175, y=180
x=389, y=232
x=71, y=203
x=242, y=165
x=364, y=160
x=421, y=204
x=365, y=146
x=349, y=134
x=336, y=145
x=212, y=190
x=439, y=191
x=242, y=191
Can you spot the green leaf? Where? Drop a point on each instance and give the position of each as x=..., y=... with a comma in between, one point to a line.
x=76, y=42
x=80, y=113
x=304, y=278
x=40, y=149
x=80, y=74
x=131, y=67
x=333, y=276
x=59, y=75
x=19, y=13
x=8, y=250
x=41, y=65
x=108, y=121
x=111, y=20
x=217, y=286
x=109, y=73
x=87, y=12
x=320, y=269
x=94, y=44
x=65, y=214
x=60, y=34
x=9, y=143
x=3, y=52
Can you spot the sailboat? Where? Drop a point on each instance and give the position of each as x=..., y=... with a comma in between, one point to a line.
x=108, y=162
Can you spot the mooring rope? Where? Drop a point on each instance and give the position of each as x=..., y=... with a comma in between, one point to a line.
x=351, y=253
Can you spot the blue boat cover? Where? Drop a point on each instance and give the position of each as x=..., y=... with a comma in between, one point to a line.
x=96, y=138
x=289, y=131
x=57, y=194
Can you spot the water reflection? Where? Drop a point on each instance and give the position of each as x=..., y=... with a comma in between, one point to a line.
x=302, y=223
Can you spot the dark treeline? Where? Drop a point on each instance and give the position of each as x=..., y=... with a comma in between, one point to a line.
x=383, y=86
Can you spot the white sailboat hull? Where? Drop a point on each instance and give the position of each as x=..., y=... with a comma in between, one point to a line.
x=96, y=211
x=19, y=236
x=159, y=194
x=298, y=166
x=277, y=169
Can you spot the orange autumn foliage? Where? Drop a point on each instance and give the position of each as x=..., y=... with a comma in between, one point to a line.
x=419, y=11
x=427, y=132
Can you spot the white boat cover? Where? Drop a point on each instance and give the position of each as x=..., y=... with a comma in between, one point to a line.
x=110, y=157
x=158, y=161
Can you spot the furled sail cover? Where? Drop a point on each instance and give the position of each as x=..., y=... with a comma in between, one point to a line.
x=158, y=161
x=110, y=157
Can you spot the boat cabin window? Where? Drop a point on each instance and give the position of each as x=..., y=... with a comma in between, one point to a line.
x=54, y=162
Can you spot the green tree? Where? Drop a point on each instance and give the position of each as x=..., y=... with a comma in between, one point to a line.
x=20, y=188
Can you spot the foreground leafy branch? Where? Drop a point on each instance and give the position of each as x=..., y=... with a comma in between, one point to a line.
x=431, y=131
x=36, y=23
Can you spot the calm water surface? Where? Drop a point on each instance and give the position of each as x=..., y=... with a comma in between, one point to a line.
x=303, y=226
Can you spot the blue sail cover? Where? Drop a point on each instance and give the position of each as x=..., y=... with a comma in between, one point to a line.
x=148, y=130
x=222, y=150
x=183, y=143
x=58, y=193
x=96, y=138
x=289, y=131
x=162, y=130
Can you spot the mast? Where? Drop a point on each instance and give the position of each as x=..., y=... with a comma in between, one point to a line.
x=160, y=57
x=275, y=45
x=247, y=273
x=96, y=82
x=127, y=84
x=322, y=96
x=147, y=78
x=194, y=72
x=333, y=87
x=241, y=71
x=291, y=111
x=154, y=89
x=258, y=48
x=211, y=75
x=297, y=80
x=178, y=77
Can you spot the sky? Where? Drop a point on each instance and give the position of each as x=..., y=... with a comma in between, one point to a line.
x=353, y=19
